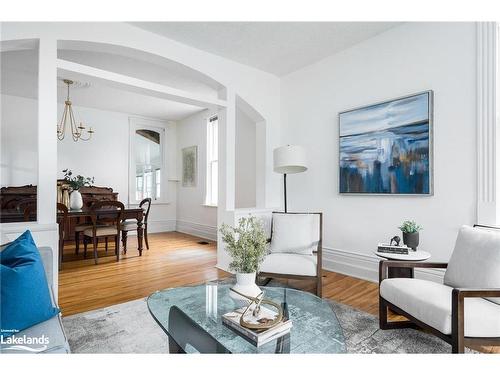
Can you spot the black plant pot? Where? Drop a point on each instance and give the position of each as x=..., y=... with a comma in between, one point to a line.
x=411, y=240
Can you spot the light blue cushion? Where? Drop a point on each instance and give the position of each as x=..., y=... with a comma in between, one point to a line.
x=25, y=296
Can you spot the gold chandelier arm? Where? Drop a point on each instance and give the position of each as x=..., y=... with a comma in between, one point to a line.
x=74, y=130
x=61, y=129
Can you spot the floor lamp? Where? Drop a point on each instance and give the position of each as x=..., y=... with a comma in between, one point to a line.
x=287, y=160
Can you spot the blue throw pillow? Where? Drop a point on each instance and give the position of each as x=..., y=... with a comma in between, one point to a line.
x=25, y=296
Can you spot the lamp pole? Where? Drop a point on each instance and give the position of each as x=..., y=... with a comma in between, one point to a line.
x=284, y=189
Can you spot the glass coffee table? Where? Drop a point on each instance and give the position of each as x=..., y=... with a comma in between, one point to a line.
x=315, y=327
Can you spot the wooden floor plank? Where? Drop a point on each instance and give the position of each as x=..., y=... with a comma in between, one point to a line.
x=175, y=259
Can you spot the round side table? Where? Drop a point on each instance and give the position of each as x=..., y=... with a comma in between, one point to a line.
x=393, y=272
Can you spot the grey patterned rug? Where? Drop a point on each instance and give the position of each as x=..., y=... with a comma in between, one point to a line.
x=129, y=328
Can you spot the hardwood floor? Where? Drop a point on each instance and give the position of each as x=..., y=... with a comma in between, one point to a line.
x=176, y=259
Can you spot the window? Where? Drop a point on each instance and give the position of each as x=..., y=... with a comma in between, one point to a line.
x=147, y=150
x=212, y=161
x=158, y=182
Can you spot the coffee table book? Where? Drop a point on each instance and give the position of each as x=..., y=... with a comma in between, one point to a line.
x=256, y=337
x=391, y=249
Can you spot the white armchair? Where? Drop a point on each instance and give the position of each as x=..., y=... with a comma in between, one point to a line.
x=295, y=248
x=463, y=310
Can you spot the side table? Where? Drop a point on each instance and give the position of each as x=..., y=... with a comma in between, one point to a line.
x=394, y=272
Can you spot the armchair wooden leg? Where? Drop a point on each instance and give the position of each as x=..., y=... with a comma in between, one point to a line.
x=382, y=313
x=457, y=323
x=319, y=287
x=106, y=243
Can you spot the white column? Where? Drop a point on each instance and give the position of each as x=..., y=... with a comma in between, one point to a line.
x=486, y=122
x=47, y=139
x=227, y=163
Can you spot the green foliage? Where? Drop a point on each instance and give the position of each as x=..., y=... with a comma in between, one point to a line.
x=410, y=226
x=246, y=244
x=77, y=182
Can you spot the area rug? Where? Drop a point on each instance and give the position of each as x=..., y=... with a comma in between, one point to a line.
x=129, y=328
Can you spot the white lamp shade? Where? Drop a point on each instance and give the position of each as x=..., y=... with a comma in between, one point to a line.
x=290, y=159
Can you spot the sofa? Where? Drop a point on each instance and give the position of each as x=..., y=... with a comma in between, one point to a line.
x=52, y=329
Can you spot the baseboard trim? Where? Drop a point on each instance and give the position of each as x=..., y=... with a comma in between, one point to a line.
x=196, y=229
x=158, y=226
x=365, y=266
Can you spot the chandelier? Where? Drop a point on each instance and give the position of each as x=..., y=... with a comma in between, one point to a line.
x=77, y=131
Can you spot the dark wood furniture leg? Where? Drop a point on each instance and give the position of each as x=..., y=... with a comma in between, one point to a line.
x=140, y=232
x=61, y=250
x=457, y=322
x=124, y=241
x=117, y=247
x=77, y=242
x=94, y=243
x=146, y=235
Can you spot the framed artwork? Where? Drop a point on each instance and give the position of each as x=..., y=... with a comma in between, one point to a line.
x=386, y=148
x=189, y=166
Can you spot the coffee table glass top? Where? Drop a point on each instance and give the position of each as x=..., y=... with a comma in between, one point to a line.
x=315, y=327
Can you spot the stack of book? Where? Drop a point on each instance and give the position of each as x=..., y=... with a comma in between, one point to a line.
x=257, y=337
x=392, y=249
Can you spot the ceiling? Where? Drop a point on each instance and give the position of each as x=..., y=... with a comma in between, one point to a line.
x=275, y=47
x=19, y=78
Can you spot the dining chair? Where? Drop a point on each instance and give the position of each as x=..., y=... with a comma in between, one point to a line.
x=184, y=332
x=62, y=221
x=28, y=210
x=130, y=225
x=27, y=205
x=104, y=230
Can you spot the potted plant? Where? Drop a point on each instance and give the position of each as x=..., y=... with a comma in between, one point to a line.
x=410, y=231
x=75, y=183
x=246, y=244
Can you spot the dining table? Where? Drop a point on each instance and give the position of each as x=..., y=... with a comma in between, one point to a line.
x=130, y=212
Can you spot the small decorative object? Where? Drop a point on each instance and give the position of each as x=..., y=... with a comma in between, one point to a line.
x=246, y=244
x=65, y=197
x=395, y=240
x=260, y=322
x=189, y=166
x=386, y=148
x=410, y=231
x=75, y=183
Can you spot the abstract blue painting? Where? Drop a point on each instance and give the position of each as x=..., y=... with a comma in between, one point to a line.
x=385, y=148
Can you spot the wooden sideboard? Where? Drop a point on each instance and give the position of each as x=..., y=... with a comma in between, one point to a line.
x=12, y=196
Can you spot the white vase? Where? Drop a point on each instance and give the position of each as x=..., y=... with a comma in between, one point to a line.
x=75, y=200
x=245, y=284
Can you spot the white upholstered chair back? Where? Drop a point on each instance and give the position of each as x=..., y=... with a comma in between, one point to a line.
x=475, y=262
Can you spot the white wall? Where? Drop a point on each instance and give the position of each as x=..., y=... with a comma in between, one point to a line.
x=245, y=184
x=106, y=158
x=404, y=60
x=19, y=141
x=193, y=216
x=259, y=89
